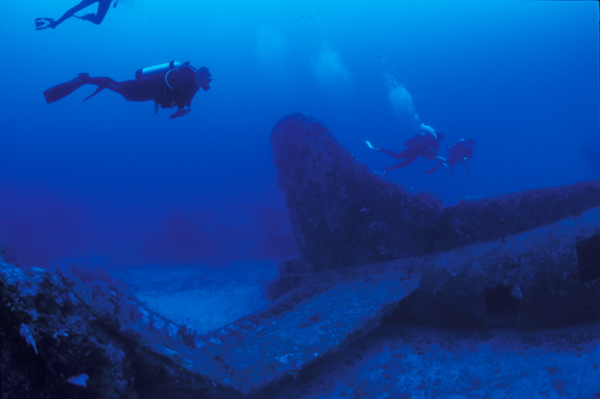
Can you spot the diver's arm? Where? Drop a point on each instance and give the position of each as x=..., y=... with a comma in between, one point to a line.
x=183, y=100
x=183, y=94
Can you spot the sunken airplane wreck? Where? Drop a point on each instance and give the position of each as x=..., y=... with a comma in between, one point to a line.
x=369, y=249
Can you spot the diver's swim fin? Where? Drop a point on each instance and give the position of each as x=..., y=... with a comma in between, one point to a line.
x=98, y=90
x=368, y=143
x=64, y=89
x=43, y=23
x=436, y=167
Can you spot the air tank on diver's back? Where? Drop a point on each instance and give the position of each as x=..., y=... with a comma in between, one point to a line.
x=151, y=70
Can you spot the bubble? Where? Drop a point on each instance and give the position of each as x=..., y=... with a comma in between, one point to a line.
x=329, y=68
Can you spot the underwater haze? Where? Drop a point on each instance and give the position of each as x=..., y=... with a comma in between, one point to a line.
x=107, y=182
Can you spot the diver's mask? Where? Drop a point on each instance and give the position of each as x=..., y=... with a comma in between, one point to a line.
x=203, y=76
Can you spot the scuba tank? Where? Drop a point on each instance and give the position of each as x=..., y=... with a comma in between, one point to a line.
x=167, y=66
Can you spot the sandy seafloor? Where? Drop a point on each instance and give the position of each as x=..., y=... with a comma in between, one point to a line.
x=396, y=361
x=202, y=297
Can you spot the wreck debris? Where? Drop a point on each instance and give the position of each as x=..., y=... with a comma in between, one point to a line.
x=378, y=220
x=369, y=250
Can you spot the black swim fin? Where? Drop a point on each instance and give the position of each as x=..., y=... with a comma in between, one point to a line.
x=98, y=90
x=43, y=23
x=64, y=89
x=436, y=167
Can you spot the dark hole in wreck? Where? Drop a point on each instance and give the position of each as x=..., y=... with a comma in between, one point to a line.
x=500, y=307
x=588, y=258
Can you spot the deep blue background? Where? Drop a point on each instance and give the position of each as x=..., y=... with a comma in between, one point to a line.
x=107, y=182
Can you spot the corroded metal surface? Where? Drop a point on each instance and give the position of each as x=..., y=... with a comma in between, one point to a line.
x=370, y=249
x=344, y=214
x=241, y=358
x=528, y=280
x=90, y=340
x=301, y=328
x=341, y=212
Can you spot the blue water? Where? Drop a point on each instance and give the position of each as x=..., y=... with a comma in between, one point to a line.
x=107, y=182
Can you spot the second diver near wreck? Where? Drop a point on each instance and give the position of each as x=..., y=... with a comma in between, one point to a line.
x=426, y=144
x=168, y=85
x=460, y=152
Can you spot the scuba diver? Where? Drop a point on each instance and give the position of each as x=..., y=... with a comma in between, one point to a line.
x=170, y=84
x=426, y=144
x=460, y=152
x=97, y=18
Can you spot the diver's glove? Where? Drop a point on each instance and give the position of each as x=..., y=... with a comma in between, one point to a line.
x=44, y=23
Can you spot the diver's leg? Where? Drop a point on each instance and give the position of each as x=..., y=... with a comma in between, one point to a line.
x=407, y=161
x=131, y=90
x=102, y=83
x=442, y=161
x=436, y=167
x=71, y=12
x=103, y=6
x=397, y=155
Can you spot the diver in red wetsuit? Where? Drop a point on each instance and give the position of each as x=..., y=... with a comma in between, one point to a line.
x=460, y=152
x=97, y=18
x=425, y=144
x=168, y=85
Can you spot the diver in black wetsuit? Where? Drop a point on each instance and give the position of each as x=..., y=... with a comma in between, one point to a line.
x=426, y=144
x=460, y=152
x=97, y=18
x=169, y=85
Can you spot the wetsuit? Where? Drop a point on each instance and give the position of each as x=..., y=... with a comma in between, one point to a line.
x=425, y=144
x=459, y=152
x=103, y=6
x=175, y=87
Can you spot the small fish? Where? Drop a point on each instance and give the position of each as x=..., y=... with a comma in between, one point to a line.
x=80, y=380
x=25, y=333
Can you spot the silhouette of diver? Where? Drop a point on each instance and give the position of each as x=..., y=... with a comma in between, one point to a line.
x=459, y=152
x=170, y=84
x=97, y=18
x=426, y=144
